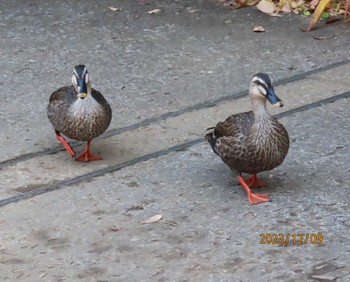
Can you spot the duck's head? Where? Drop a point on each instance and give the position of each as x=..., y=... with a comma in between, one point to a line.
x=261, y=88
x=81, y=81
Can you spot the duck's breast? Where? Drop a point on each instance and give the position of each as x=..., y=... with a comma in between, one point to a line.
x=267, y=147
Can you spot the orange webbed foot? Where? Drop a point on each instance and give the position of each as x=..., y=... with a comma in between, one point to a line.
x=86, y=156
x=253, y=198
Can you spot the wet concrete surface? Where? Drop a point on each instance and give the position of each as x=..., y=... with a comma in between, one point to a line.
x=187, y=55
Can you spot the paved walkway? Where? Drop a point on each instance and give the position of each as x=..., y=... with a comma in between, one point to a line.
x=168, y=77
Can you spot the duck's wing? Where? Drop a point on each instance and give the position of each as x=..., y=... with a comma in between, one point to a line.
x=235, y=124
x=66, y=94
x=59, y=103
x=99, y=98
x=107, y=111
x=236, y=127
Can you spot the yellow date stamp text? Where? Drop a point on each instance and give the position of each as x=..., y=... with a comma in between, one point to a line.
x=293, y=238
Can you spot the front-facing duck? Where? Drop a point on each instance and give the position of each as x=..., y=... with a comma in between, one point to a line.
x=79, y=112
x=254, y=141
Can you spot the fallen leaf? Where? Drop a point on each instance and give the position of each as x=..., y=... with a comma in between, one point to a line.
x=243, y=3
x=259, y=29
x=332, y=20
x=266, y=6
x=324, y=37
x=321, y=266
x=275, y=15
x=116, y=228
x=114, y=9
x=324, y=277
x=154, y=11
x=193, y=10
x=314, y=3
x=297, y=6
x=347, y=11
x=154, y=218
x=252, y=2
x=286, y=8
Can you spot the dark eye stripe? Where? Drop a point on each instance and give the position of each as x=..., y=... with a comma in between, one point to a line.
x=258, y=82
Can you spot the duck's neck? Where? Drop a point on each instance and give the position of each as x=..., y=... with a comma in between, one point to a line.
x=259, y=109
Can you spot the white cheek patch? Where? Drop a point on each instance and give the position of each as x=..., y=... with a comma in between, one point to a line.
x=262, y=90
x=74, y=80
x=87, y=78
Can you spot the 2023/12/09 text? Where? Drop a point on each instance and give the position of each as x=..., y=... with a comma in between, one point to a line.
x=293, y=238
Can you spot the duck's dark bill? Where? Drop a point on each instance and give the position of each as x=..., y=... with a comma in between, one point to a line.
x=272, y=98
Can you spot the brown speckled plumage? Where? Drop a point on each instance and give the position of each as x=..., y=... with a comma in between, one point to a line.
x=79, y=119
x=254, y=141
x=248, y=144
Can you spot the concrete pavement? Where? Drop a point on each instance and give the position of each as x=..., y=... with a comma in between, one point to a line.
x=168, y=77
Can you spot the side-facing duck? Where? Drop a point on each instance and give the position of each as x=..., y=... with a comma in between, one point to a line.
x=254, y=141
x=79, y=112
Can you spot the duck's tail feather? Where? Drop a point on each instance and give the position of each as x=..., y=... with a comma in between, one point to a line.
x=210, y=128
x=210, y=137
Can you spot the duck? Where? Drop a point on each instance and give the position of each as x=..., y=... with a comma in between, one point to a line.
x=79, y=112
x=252, y=142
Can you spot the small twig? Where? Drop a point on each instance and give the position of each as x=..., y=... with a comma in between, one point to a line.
x=243, y=263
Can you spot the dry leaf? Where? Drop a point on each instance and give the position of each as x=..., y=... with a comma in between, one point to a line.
x=154, y=11
x=243, y=3
x=314, y=3
x=154, y=218
x=259, y=29
x=276, y=15
x=347, y=11
x=114, y=9
x=323, y=37
x=297, y=4
x=116, y=228
x=324, y=277
x=266, y=6
x=286, y=8
x=252, y=2
x=321, y=266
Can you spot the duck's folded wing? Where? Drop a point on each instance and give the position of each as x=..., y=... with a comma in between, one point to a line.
x=66, y=94
x=239, y=123
x=230, y=149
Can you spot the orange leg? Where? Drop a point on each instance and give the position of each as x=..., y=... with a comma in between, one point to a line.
x=254, y=181
x=66, y=145
x=253, y=198
x=86, y=156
